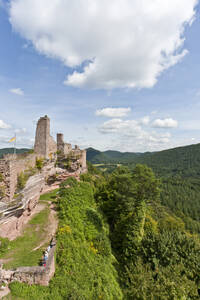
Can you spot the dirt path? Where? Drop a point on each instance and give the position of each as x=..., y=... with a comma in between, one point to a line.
x=51, y=228
x=5, y=260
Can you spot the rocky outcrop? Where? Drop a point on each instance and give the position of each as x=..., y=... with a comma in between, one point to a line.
x=12, y=215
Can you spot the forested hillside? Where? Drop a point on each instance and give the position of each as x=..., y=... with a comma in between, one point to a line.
x=183, y=161
x=11, y=151
x=109, y=157
x=158, y=258
x=179, y=170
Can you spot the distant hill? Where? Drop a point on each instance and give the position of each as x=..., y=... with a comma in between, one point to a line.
x=183, y=161
x=11, y=151
x=97, y=157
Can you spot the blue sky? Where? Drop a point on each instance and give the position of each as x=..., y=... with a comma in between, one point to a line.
x=49, y=66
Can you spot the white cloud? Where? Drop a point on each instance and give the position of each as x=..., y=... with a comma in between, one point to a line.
x=145, y=120
x=115, y=43
x=20, y=130
x=165, y=123
x=17, y=91
x=132, y=129
x=127, y=127
x=113, y=112
x=3, y=125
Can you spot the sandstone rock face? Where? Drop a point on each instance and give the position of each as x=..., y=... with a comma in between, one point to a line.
x=13, y=214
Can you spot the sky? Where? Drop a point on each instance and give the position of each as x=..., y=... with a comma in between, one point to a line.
x=118, y=74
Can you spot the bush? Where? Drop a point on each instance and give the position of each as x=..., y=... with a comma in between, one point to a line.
x=4, y=244
x=1, y=177
x=70, y=182
x=39, y=163
x=21, y=181
x=2, y=192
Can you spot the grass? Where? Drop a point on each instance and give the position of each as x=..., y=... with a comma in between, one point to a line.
x=20, y=252
x=49, y=196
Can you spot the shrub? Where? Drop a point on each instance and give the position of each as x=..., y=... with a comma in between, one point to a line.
x=70, y=182
x=30, y=151
x=1, y=177
x=39, y=163
x=4, y=244
x=2, y=191
x=21, y=181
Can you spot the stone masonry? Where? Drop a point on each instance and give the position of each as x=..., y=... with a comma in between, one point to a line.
x=31, y=275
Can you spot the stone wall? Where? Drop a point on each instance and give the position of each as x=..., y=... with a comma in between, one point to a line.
x=18, y=165
x=31, y=275
x=10, y=167
x=83, y=160
x=63, y=148
x=5, y=182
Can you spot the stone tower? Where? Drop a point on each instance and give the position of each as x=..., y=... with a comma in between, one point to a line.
x=44, y=143
x=63, y=147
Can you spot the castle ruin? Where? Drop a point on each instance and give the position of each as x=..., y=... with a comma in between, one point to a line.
x=59, y=161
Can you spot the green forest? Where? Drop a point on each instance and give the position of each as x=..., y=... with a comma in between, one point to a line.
x=178, y=170
x=12, y=150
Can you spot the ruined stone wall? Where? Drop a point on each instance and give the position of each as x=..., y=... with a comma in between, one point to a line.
x=10, y=167
x=63, y=148
x=60, y=142
x=51, y=147
x=31, y=275
x=5, y=182
x=83, y=161
x=44, y=143
x=16, y=166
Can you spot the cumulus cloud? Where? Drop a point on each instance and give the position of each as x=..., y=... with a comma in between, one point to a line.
x=3, y=125
x=132, y=129
x=113, y=112
x=165, y=123
x=17, y=91
x=126, y=127
x=109, y=44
